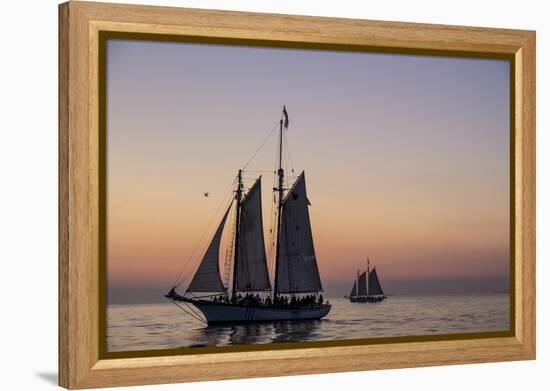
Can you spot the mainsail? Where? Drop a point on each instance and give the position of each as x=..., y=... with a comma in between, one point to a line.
x=297, y=271
x=374, y=284
x=363, y=284
x=207, y=278
x=252, y=274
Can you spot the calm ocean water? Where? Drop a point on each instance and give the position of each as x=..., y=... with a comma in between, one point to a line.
x=164, y=326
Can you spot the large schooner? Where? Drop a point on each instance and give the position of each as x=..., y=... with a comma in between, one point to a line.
x=296, y=283
x=366, y=287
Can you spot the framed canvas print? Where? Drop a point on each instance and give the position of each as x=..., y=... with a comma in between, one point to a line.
x=247, y=195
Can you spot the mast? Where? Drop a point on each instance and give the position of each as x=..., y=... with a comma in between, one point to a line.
x=368, y=275
x=238, y=197
x=280, y=190
x=357, y=292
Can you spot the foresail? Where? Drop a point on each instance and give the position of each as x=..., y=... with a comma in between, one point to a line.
x=252, y=274
x=297, y=269
x=353, y=290
x=207, y=277
x=362, y=291
x=374, y=284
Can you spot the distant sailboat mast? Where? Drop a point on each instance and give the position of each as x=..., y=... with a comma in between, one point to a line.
x=368, y=276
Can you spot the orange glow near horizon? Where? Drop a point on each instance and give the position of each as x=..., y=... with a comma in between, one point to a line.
x=411, y=173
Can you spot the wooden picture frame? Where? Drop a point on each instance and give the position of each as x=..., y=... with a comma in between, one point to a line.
x=81, y=25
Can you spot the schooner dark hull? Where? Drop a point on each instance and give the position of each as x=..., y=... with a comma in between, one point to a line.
x=367, y=299
x=228, y=313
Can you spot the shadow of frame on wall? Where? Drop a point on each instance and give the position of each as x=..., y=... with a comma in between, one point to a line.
x=83, y=32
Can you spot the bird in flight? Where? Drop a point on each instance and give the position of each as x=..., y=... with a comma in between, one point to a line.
x=207, y=194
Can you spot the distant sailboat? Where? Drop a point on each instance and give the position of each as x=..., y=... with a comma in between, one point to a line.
x=296, y=281
x=367, y=290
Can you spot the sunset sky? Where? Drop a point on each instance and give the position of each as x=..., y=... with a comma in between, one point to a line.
x=406, y=159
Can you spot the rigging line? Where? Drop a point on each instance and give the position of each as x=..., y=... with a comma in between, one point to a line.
x=193, y=309
x=190, y=308
x=288, y=163
x=288, y=153
x=203, y=296
x=187, y=312
x=179, y=280
x=261, y=145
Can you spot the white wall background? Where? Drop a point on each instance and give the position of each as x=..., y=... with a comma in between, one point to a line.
x=28, y=195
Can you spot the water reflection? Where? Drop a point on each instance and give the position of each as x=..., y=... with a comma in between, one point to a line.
x=162, y=326
x=255, y=333
x=296, y=331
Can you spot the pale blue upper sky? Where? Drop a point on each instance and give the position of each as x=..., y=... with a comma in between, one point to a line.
x=407, y=155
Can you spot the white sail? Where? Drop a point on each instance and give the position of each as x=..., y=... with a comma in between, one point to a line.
x=207, y=278
x=297, y=269
x=252, y=274
x=375, y=288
